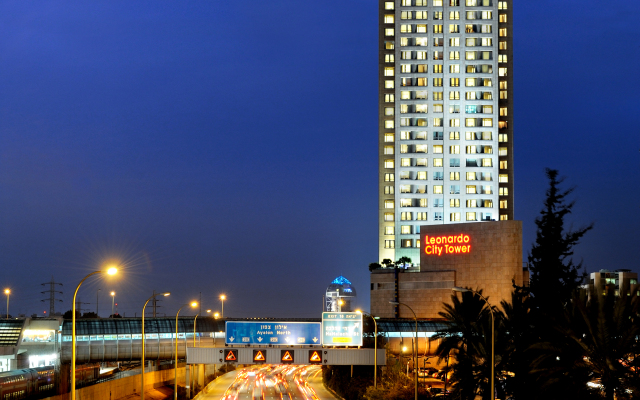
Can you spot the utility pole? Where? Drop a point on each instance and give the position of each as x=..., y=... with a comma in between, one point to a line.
x=79, y=305
x=52, y=295
x=154, y=303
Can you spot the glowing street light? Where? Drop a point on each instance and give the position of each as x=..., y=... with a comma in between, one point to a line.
x=143, y=364
x=464, y=290
x=194, y=328
x=216, y=315
x=175, y=377
x=222, y=299
x=109, y=271
x=7, y=292
x=375, y=348
x=113, y=301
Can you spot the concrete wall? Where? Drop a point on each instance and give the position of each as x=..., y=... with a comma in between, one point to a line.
x=494, y=260
x=119, y=388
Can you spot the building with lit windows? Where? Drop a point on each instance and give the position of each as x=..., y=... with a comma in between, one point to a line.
x=445, y=117
x=340, y=295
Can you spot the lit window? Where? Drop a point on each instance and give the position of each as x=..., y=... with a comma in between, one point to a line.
x=389, y=204
x=388, y=5
x=454, y=68
x=437, y=29
x=454, y=122
x=388, y=45
x=406, y=28
x=437, y=68
x=471, y=216
x=454, y=28
x=389, y=217
x=503, y=204
x=454, y=203
x=405, y=162
x=389, y=124
x=389, y=244
x=405, y=229
x=502, y=18
x=389, y=230
x=454, y=82
x=503, y=191
x=454, y=149
x=502, y=5
x=389, y=32
x=421, y=28
x=487, y=121
x=453, y=217
x=389, y=98
x=502, y=32
x=389, y=71
x=503, y=95
x=502, y=151
x=389, y=58
x=454, y=55
x=389, y=84
x=436, y=3
x=389, y=137
x=389, y=111
x=437, y=189
x=437, y=149
x=502, y=58
x=421, y=15
x=421, y=216
x=502, y=45
x=437, y=96
x=406, y=216
x=454, y=176
x=437, y=162
x=389, y=177
x=455, y=42
x=454, y=135
x=405, y=68
x=453, y=15
x=421, y=175
x=503, y=178
x=437, y=122
x=503, y=164
x=404, y=148
x=437, y=82
x=503, y=111
x=437, y=15
x=504, y=218
x=471, y=189
x=406, y=202
x=388, y=150
x=487, y=162
x=389, y=190
x=407, y=243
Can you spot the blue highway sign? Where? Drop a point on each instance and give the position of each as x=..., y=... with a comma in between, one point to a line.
x=280, y=333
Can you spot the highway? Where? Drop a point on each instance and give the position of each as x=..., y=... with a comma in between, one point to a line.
x=269, y=382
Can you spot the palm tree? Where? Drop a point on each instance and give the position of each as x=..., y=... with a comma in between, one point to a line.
x=468, y=337
x=600, y=344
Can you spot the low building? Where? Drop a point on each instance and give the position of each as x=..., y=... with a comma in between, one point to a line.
x=620, y=281
x=483, y=256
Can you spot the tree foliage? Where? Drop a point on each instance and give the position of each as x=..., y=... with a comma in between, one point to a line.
x=554, y=276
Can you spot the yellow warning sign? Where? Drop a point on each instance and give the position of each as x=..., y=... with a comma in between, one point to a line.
x=231, y=356
x=258, y=356
x=314, y=357
x=287, y=356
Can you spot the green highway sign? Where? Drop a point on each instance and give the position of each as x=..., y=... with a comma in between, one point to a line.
x=341, y=329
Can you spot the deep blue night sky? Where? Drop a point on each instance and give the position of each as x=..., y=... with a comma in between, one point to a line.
x=232, y=147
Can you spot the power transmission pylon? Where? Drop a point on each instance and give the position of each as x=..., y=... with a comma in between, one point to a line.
x=52, y=295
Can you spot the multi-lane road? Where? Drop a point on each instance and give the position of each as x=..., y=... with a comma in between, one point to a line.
x=269, y=382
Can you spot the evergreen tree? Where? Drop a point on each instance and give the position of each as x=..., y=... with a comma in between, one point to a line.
x=554, y=276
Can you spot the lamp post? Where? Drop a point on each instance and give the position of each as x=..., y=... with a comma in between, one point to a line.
x=464, y=290
x=375, y=348
x=415, y=369
x=143, y=347
x=7, y=292
x=222, y=299
x=194, y=328
x=97, y=301
x=108, y=271
x=113, y=300
x=175, y=379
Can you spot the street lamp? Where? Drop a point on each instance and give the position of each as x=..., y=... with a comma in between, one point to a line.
x=222, y=299
x=7, y=292
x=216, y=315
x=113, y=300
x=375, y=348
x=109, y=271
x=194, y=328
x=464, y=290
x=415, y=363
x=143, y=362
x=97, y=301
x=175, y=379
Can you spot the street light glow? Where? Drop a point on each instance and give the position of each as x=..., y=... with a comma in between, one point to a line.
x=7, y=291
x=167, y=294
x=223, y=297
x=113, y=293
x=194, y=304
x=112, y=271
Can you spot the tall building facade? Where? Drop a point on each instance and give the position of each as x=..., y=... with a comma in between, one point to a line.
x=445, y=117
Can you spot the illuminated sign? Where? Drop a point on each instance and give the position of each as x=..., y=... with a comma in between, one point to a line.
x=342, y=329
x=231, y=355
x=272, y=332
x=286, y=356
x=258, y=356
x=314, y=357
x=451, y=244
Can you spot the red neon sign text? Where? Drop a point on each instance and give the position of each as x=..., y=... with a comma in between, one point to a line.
x=453, y=244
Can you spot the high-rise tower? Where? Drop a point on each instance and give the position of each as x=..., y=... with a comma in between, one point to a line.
x=445, y=117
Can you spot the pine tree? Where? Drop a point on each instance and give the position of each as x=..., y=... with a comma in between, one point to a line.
x=554, y=276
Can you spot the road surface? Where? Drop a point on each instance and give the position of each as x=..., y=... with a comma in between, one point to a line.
x=269, y=382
